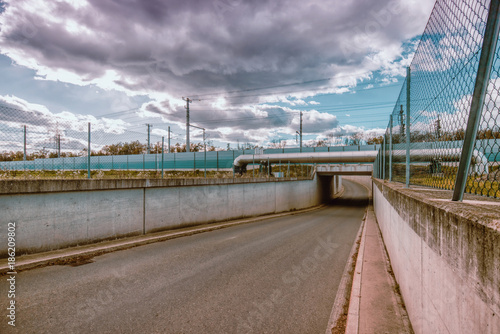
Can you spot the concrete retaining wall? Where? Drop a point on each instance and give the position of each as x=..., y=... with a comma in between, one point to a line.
x=336, y=184
x=56, y=214
x=362, y=179
x=445, y=256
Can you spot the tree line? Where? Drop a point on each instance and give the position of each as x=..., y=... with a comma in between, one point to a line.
x=136, y=147
x=127, y=148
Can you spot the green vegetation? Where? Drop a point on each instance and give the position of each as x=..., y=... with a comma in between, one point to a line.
x=485, y=185
x=295, y=171
x=106, y=174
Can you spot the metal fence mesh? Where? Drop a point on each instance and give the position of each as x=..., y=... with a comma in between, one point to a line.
x=55, y=143
x=442, y=79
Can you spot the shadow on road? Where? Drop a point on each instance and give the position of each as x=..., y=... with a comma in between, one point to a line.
x=349, y=201
x=354, y=195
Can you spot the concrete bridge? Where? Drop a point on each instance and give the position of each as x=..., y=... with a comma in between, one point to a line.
x=347, y=169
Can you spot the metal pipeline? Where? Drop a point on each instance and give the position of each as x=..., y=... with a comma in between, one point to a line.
x=479, y=163
x=242, y=161
x=479, y=160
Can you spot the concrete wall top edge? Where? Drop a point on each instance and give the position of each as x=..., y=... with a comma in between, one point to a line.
x=11, y=187
x=478, y=209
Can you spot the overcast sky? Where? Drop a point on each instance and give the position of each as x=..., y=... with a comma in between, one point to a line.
x=249, y=66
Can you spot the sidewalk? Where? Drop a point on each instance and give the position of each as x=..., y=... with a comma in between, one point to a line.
x=376, y=305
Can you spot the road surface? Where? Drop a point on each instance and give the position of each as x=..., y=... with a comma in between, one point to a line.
x=273, y=276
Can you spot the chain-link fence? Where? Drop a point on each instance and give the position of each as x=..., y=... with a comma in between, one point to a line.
x=430, y=120
x=35, y=140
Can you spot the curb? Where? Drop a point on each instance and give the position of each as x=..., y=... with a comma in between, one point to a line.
x=31, y=261
x=352, y=326
x=342, y=295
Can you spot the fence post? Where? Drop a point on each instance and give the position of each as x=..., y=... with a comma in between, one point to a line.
x=24, y=156
x=162, y=156
x=253, y=165
x=480, y=88
x=408, y=90
x=379, y=172
x=383, y=158
x=88, y=155
x=390, y=148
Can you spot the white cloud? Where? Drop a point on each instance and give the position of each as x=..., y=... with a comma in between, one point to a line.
x=166, y=50
x=153, y=47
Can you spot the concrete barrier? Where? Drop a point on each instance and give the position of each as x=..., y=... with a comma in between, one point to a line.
x=52, y=214
x=445, y=256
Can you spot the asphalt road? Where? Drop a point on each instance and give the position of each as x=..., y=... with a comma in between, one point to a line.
x=273, y=276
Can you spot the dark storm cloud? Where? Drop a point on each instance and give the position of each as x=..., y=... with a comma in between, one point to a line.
x=202, y=46
x=169, y=49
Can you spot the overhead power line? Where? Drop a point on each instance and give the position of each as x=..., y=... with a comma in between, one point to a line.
x=301, y=90
x=282, y=85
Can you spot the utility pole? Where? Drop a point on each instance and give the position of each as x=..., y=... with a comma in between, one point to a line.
x=162, y=154
x=438, y=128
x=149, y=131
x=169, y=139
x=188, y=100
x=58, y=145
x=24, y=156
x=300, y=132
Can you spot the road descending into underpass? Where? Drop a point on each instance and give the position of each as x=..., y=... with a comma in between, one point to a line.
x=273, y=276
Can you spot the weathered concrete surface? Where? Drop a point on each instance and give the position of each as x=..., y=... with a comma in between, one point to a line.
x=57, y=220
x=66, y=213
x=445, y=256
x=10, y=187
